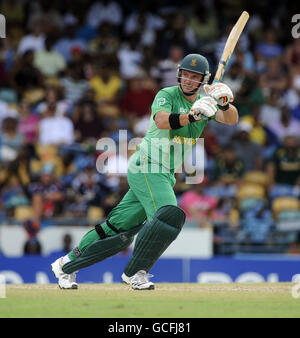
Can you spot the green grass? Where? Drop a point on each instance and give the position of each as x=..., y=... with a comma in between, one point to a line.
x=166, y=301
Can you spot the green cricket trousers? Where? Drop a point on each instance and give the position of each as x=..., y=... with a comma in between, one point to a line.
x=148, y=192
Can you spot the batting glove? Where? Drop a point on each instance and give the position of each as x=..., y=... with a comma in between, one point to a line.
x=203, y=109
x=220, y=92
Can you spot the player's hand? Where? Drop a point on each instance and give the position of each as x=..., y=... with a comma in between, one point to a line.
x=220, y=92
x=204, y=108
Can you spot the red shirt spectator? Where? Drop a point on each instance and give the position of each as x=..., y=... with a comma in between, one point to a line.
x=138, y=99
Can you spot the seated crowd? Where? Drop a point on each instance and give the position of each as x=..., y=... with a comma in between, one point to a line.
x=71, y=76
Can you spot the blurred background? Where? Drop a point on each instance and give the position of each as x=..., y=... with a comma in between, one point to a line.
x=72, y=72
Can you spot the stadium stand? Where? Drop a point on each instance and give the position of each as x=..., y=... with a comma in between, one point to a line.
x=72, y=73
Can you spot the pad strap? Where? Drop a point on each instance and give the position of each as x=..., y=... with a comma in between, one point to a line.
x=112, y=227
x=100, y=231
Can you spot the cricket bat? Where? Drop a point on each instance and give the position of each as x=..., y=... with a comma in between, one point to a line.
x=230, y=45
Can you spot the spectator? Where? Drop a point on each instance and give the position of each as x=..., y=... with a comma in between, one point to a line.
x=142, y=18
x=258, y=132
x=197, y=205
x=292, y=55
x=284, y=165
x=166, y=70
x=48, y=61
x=287, y=125
x=13, y=195
x=139, y=24
x=66, y=246
x=268, y=48
x=34, y=41
x=177, y=32
x=234, y=77
x=220, y=44
x=273, y=77
x=28, y=123
x=53, y=94
x=130, y=57
x=7, y=57
x=244, y=58
x=11, y=140
x=107, y=85
x=74, y=83
x=248, y=151
x=55, y=130
x=24, y=75
x=88, y=125
x=89, y=188
x=47, y=195
x=32, y=247
x=69, y=40
x=223, y=134
x=5, y=112
x=22, y=168
x=249, y=95
x=103, y=11
x=106, y=43
x=14, y=12
x=228, y=168
x=292, y=95
x=204, y=22
x=270, y=111
x=138, y=98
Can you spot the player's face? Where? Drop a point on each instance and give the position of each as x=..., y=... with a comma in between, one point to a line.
x=190, y=80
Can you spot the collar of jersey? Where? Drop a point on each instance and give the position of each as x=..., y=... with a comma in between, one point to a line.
x=185, y=99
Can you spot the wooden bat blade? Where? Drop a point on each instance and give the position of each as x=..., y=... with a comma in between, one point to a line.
x=230, y=44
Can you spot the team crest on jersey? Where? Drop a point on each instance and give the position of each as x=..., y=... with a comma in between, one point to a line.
x=161, y=101
x=194, y=63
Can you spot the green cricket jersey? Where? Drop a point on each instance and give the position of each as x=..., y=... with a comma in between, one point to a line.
x=170, y=147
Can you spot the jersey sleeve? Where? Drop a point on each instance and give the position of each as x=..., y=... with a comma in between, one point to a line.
x=162, y=101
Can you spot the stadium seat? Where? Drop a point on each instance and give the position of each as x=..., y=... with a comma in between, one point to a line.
x=250, y=196
x=256, y=177
x=257, y=229
x=289, y=215
x=280, y=190
x=250, y=203
x=95, y=214
x=280, y=204
x=23, y=213
x=250, y=190
x=221, y=191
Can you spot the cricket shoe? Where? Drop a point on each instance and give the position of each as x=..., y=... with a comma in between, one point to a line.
x=139, y=281
x=65, y=281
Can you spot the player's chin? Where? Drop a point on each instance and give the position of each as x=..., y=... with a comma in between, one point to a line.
x=188, y=89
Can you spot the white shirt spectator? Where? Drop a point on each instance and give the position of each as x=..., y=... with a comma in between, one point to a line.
x=281, y=131
x=153, y=22
x=61, y=108
x=100, y=12
x=130, y=61
x=56, y=130
x=269, y=113
x=166, y=72
x=292, y=97
x=6, y=111
x=31, y=42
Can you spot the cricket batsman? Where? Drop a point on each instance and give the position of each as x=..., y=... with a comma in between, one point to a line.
x=149, y=208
